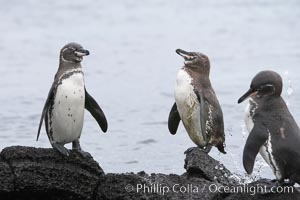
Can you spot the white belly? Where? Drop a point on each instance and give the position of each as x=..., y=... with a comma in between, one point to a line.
x=188, y=107
x=68, y=109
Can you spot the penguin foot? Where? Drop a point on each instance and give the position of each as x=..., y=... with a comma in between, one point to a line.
x=189, y=150
x=76, y=145
x=61, y=149
x=84, y=153
x=206, y=149
x=279, y=183
x=286, y=182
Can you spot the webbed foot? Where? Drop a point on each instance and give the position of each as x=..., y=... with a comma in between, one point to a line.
x=287, y=182
x=61, y=149
x=189, y=150
x=205, y=149
x=76, y=146
x=84, y=153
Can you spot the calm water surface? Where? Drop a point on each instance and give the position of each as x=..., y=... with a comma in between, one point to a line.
x=132, y=69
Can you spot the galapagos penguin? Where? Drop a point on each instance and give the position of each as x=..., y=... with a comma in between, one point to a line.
x=196, y=104
x=273, y=132
x=64, y=108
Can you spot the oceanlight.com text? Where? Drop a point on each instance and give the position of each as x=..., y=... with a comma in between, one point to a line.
x=212, y=188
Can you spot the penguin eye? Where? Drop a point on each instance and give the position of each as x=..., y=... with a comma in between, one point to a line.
x=268, y=88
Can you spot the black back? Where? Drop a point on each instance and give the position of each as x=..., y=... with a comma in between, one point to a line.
x=273, y=118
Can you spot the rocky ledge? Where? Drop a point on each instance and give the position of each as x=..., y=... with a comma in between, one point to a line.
x=36, y=173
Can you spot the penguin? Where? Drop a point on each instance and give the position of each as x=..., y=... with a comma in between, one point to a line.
x=273, y=132
x=196, y=104
x=64, y=108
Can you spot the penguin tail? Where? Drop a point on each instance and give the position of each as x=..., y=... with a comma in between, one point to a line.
x=221, y=147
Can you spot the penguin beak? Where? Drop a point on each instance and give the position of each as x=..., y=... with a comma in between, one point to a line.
x=82, y=52
x=186, y=55
x=249, y=93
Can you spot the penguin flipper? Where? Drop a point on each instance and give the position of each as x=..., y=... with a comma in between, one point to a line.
x=257, y=137
x=211, y=119
x=92, y=106
x=203, y=113
x=46, y=106
x=174, y=120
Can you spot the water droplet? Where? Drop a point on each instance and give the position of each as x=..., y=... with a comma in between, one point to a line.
x=286, y=73
x=289, y=90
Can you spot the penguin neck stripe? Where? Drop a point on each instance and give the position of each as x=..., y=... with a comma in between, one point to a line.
x=69, y=73
x=273, y=164
x=253, y=107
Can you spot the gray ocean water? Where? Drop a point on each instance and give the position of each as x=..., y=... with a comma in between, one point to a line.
x=132, y=69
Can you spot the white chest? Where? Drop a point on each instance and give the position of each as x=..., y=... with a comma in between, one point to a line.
x=188, y=107
x=68, y=109
x=248, y=119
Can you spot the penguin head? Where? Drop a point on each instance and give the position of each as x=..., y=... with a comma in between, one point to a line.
x=194, y=60
x=72, y=53
x=264, y=84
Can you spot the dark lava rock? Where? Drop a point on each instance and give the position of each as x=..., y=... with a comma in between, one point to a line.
x=198, y=163
x=43, y=173
x=155, y=186
x=6, y=179
x=264, y=189
x=28, y=173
